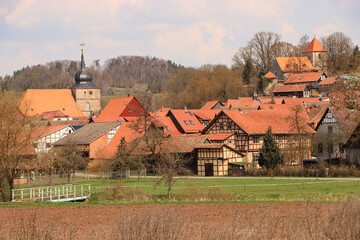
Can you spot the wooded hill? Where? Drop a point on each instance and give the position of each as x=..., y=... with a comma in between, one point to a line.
x=122, y=72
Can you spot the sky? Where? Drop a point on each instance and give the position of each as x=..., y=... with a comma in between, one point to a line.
x=188, y=32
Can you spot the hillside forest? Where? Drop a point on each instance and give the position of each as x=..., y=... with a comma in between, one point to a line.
x=162, y=82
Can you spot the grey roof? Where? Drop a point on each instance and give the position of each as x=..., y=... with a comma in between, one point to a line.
x=87, y=134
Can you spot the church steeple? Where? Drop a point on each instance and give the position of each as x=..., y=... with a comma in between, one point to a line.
x=83, y=78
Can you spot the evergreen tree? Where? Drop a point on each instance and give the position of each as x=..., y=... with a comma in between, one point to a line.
x=270, y=153
x=248, y=72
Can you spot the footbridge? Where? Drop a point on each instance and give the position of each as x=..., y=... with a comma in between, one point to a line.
x=59, y=193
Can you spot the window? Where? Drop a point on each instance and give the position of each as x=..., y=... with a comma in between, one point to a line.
x=191, y=114
x=320, y=148
x=319, y=56
x=301, y=77
x=287, y=65
x=35, y=145
x=167, y=128
x=229, y=125
x=69, y=131
x=304, y=65
x=191, y=122
x=205, y=123
x=87, y=106
x=186, y=122
x=330, y=129
x=256, y=158
x=129, y=110
x=280, y=138
x=256, y=139
x=221, y=126
x=48, y=145
x=91, y=92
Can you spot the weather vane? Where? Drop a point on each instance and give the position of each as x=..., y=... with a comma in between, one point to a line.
x=82, y=45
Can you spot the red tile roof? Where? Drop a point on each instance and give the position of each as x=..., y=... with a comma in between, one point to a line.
x=218, y=136
x=209, y=105
x=52, y=114
x=37, y=101
x=315, y=46
x=108, y=119
x=170, y=128
x=270, y=75
x=304, y=77
x=205, y=114
x=289, y=88
x=295, y=64
x=187, y=120
x=328, y=81
x=122, y=107
x=258, y=122
x=267, y=100
x=127, y=131
x=242, y=102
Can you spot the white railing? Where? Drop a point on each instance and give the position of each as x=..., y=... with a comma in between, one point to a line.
x=59, y=193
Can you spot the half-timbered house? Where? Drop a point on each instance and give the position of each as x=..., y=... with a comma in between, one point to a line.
x=333, y=131
x=48, y=135
x=249, y=128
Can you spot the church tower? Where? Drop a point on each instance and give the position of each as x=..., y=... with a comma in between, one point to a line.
x=317, y=55
x=86, y=94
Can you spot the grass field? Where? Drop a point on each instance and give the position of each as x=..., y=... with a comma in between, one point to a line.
x=105, y=191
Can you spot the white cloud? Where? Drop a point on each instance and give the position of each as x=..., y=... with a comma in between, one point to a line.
x=325, y=29
x=262, y=8
x=3, y=10
x=20, y=15
x=199, y=43
x=288, y=32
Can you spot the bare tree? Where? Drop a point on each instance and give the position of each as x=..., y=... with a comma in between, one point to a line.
x=339, y=50
x=169, y=166
x=300, y=142
x=68, y=159
x=47, y=163
x=263, y=43
x=16, y=131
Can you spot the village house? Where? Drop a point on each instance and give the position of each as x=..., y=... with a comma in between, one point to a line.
x=333, y=131
x=297, y=90
x=250, y=127
x=352, y=147
x=312, y=79
x=90, y=138
x=48, y=135
x=120, y=108
x=185, y=121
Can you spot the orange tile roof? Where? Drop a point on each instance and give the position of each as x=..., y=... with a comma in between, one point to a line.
x=121, y=107
x=242, y=102
x=209, y=105
x=127, y=131
x=328, y=81
x=303, y=77
x=205, y=114
x=37, y=101
x=170, y=128
x=267, y=100
x=295, y=64
x=187, y=120
x=218, y=136
x=270, y=75
x=289, y=88
x=258, y=122
x=108, y=119
x=315, y=46
x=310, y=100
x=52, y=114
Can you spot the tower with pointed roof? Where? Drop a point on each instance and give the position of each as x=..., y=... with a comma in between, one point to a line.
x=317, y=55
x=86, y=94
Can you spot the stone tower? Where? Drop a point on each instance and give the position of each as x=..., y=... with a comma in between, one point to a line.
x=317, y=55
x=86, y=94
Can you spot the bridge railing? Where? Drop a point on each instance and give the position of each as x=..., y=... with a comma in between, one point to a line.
x=56, y=193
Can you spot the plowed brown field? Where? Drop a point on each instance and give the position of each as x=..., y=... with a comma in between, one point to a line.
x=90, y=219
